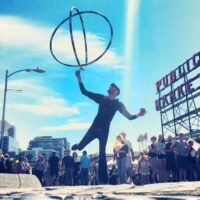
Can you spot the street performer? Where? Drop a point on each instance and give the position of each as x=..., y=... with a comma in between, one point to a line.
x=108, y=106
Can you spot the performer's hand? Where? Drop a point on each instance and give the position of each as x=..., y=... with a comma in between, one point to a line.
x=142, y=112
x=78, y=75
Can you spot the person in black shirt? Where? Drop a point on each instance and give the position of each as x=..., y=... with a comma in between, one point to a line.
x=170, y=159
x=108, y=106
x=54, y=165
x=68, y=164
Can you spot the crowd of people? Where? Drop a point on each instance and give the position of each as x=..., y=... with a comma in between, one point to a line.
x=15, y=165
x=71, y=170
x=164, y=161
x=169, y=161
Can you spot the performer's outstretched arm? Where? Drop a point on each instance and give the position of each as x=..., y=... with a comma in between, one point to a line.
x=123, y=110
x=94, y=96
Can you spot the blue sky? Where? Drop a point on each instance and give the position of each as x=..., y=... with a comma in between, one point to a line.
x=150, y=39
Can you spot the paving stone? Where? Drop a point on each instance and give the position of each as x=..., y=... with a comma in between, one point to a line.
x=19, y=181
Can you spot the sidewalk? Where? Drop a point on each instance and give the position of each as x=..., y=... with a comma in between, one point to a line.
x=181, y=190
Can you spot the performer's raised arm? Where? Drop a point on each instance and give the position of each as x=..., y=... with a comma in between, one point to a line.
x=94, y=96
x=123, y=110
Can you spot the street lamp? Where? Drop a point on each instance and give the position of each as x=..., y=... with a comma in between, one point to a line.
x=5, y=92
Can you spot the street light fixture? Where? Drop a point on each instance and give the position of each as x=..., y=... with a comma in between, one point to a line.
x=37, y=70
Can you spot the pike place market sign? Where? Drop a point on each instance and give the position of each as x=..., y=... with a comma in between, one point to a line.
x=186, y=87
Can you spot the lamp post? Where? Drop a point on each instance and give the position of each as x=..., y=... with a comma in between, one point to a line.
x=37, y=70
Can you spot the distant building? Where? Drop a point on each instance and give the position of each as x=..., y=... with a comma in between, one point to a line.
x=11, y=131
x=10, y=145
x=32, y=155
x=47, y=144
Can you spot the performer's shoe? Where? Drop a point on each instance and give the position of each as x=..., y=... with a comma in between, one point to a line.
x=74, y=147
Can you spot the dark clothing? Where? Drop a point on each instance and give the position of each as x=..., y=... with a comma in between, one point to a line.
x=84, y=176
x=2, y=165
x=192, y=166
x=121, y=163
x=192, y=157
x=76, y=168
x=124, y=150
x=8, y=165
x=39, y=175
x=182, y=162
x=152, y=155
x=100, y=126
x=68, y=162
x=113, y=176
x=76, y=173
x=170, y=158
x=107, y=108
x=54, y=165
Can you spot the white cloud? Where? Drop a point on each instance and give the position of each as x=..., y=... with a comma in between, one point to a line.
x=47, y=109
x=22, y=34
x=46, y=101
x=30, y=87
x=68, y=127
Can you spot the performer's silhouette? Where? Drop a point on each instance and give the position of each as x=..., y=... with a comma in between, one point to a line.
x=108, y=105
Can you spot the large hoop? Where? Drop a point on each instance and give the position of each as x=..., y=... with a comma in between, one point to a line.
x=72, y=37
x=84, y=34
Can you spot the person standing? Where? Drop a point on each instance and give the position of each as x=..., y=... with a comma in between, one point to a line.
x=192, y=162
x=182, y=152
x=143, y=168
x=68, y=165
x=27, y=167
x=170, y=159
x=85, y=163
x=120, y=155
x=161, y=161
x=54, y=165
x=77, y=163
x=129, y=159
x=153, y=160
x=40, y=166
x=20, y=165
x=108, y=106
x=198, y=163
x=8, y=164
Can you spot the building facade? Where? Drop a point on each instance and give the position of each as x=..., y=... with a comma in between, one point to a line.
x=48, y=144
x=11, y=131
x=10, y=145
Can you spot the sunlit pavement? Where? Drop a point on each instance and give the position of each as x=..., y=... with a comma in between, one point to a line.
x=172, y=191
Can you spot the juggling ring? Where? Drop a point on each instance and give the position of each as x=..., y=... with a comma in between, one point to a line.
x=85, y=40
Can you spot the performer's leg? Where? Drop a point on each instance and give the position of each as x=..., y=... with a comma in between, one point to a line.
x=103, y=171
x=89, y=136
